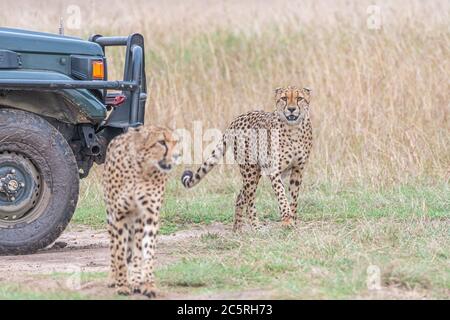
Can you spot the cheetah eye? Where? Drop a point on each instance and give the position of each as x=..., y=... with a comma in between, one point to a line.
x=284, y=98
x=162, y=142
x=300, y=99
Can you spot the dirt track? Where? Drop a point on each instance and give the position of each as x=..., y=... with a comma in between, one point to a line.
x=82, y=249
x=88, y=250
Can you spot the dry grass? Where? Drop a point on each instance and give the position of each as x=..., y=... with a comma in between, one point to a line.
x=381, y=102
x=378, y=181
x=381, y=97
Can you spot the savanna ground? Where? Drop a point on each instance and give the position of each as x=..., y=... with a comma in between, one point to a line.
x=375, y=204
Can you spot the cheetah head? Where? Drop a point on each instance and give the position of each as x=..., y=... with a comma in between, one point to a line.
x=292, y=104
x=157, y=148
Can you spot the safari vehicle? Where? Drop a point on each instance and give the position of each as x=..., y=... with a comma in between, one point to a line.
x=58, y=112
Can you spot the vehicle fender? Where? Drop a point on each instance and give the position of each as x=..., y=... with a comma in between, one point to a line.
x=68, y=105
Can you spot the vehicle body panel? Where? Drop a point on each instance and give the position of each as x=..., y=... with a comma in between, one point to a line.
x=29, y=41
x=67, y=105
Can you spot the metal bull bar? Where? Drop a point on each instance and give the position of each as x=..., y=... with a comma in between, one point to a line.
x=134, y=85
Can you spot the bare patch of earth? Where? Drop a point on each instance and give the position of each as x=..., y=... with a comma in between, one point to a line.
x=84, y=250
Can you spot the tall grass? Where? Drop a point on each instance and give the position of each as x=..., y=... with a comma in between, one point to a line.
x=381, y=98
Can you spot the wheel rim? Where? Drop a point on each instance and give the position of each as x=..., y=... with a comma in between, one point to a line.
x=21, y=189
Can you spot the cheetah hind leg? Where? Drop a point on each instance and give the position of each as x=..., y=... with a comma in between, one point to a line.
x=251, y=177
x=251, y=207
x=239, y=210
x=255, y=224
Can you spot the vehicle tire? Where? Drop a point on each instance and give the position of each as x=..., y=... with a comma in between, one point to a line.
x=39, y=183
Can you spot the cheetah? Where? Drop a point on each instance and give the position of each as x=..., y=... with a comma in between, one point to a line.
x=276, y=144
x=135, y=173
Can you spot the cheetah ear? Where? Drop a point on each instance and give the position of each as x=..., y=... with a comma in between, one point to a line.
x=307, y=94
x=278, y=91
x=146, y=137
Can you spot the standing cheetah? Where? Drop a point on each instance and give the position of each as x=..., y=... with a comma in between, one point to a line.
x=135, y=174
x=276, y=144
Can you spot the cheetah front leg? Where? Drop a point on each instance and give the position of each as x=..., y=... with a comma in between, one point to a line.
x=151, y=226
x=148, y=224
x=283, y=203
x=295, y=182
x=135, y=255
x=112, y=232
x=119, y=255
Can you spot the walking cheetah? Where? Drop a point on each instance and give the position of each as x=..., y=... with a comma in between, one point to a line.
x=135, y=174
x=276, y=144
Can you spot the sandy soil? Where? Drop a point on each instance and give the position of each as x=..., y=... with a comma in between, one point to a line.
x=81, y=249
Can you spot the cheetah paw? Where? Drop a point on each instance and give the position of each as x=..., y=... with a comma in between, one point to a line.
x=136, y=288
x=123, y=290
x=238, y=228
x=288, y=223
x=148, y=290
x=111, y=283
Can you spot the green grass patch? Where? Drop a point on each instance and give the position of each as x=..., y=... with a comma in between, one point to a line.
x=20, y=292
x=211, y=203
x=401, y=230
x=317, y=260
x=321, y=260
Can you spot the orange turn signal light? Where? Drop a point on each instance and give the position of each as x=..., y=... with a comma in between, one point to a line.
x=98, y=70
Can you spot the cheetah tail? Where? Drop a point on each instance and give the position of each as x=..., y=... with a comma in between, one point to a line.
x=190, y=179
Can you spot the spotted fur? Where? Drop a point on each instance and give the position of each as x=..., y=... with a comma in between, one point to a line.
x=287, y=137
x=134, y=179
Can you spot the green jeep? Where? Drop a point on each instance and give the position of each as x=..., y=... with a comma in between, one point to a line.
x=58, y=112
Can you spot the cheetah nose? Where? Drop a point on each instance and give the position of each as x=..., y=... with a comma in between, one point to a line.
x=163, y=164
x=291, y=110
